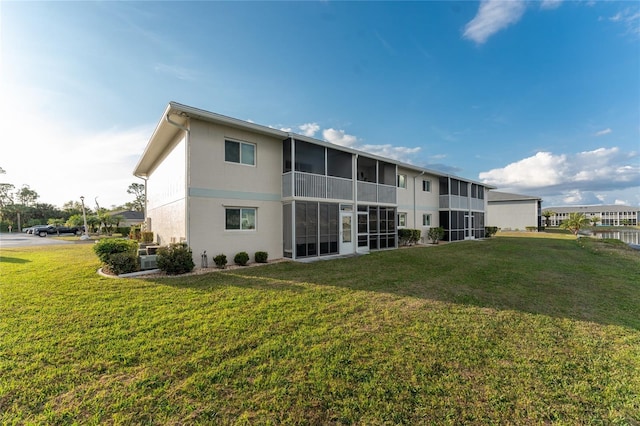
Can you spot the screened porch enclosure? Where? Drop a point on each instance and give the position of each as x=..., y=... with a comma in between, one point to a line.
x=316, y=171
x=313, y=228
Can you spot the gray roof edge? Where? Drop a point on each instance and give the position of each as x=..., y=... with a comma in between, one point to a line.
x=176, y=108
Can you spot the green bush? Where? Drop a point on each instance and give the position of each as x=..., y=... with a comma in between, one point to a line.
x=408, y=236
x=220, y=261
x=118, y=255
x=241, y=258
x=105, y=247
x=261, y=256
x=490, y=230
x=436, y=234
x=175, y=259
x=123, y=230
x=147, y=237
x=135, y=233
x=122, y=263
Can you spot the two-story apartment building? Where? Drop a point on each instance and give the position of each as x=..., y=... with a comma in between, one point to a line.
x=606, y=215
x=226, y=185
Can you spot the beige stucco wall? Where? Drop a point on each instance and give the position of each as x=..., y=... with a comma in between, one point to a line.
x=166, y=195
x=214, y=184
x=512, y=215
x=425, y=202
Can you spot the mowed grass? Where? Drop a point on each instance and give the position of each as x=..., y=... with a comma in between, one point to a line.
x=508, y=331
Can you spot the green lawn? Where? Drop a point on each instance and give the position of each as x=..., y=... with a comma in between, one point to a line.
x=512, y=330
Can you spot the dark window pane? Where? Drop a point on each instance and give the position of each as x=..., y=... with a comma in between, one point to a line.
x=232, y=151
x=444, y=186
x=286, y=156
x=232, y=219
x=464, y=189
x=367, y=170
x=309, y=158
x=387, y=173
x=455, y=186
x=339, y=163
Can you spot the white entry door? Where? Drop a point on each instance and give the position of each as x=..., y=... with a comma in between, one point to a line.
x=468, y=227
x=346, y=232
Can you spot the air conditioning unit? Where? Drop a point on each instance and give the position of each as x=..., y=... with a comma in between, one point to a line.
x=148, y=262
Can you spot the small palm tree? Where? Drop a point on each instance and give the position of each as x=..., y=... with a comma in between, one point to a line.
x=594, y=220
x=574, y=222
x=547, y=216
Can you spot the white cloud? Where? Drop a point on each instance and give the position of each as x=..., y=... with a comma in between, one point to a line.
x=309, y=129
x=400, y=153
x=550, y=4
x=493, y=16
x=603, y=132
x=543, y=169
x=630, y=18
x=339, y=137
x=573, y=177
x=617, y=17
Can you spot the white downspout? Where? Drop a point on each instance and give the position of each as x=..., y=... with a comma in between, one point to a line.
x=415, y=189
x=354, y=229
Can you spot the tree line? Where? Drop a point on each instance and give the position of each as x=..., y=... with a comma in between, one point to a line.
x=19, y=208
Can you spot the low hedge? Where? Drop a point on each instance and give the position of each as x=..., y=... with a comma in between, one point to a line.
x=408, y=237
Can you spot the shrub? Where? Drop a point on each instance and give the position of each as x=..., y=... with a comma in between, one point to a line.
x=122, y=263
x=146, y=236
x=490, y=230
x=105, y=247
x=241, y=258
x=118, y=255
x=261, y=256
x=436, y=234
x=123, y=230
x=408, y=236
x=403, y=236
x=175, y=259
x=135, y=233
x=220, y=261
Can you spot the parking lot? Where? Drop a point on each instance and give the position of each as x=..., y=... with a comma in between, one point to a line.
x=20, y=239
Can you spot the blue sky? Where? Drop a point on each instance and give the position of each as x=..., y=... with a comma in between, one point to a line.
x=539, y=98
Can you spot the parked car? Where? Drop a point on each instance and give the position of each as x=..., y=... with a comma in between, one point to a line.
x=45, y=230
x=29, y=230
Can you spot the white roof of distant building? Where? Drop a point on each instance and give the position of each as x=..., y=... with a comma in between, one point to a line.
x=593, y=209
x=505, y=196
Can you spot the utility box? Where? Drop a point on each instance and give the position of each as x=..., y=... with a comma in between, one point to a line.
x=148, y=262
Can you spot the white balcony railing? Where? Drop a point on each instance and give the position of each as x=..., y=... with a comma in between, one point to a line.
x=328, y=187
x=316, y=186
x=457, y=202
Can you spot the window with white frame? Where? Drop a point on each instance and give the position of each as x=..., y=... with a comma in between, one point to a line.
x=240, y=218
x=402, y=220
x=426, y=219
x=240, y=152
x=426, y=185
x=402, y=181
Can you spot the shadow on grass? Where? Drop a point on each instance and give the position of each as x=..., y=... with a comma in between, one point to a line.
x=557, y=278
x=5, y=259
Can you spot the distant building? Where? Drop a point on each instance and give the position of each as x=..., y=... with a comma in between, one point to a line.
x=513, y=211
x=608, y=215
x=130, y=217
